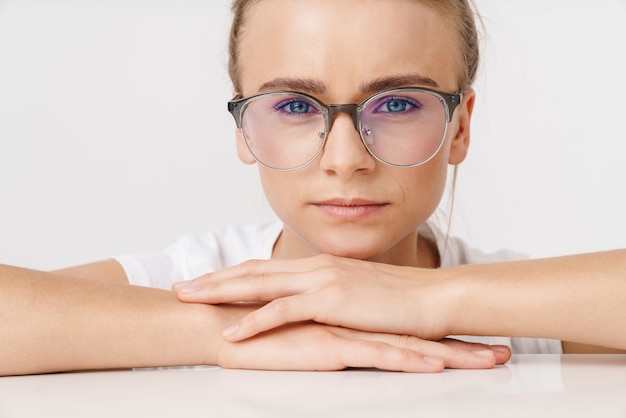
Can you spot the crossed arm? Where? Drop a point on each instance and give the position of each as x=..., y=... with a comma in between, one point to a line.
x=577, y=299
x=324, y=313
x=90, y=318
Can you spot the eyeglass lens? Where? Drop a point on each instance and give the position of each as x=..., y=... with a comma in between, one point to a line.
x=287, y=130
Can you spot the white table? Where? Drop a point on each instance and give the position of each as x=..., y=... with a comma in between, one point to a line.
x=528, y=386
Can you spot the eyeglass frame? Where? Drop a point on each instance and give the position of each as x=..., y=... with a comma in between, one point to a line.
x=450, y=101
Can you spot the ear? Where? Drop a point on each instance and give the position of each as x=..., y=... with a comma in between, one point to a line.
x=461, y=141
x=242, y=150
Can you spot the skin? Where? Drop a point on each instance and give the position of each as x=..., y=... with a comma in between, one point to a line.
x=64, y=321
x=538, y=298
x=345, y=171
x=386, y=296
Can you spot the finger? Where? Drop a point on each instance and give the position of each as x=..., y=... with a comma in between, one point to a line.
x=244, y=269
x=258, y=270
x=384, y=356
x=278, y=312
x=321, y=349
x=254, y=267
x=502, y=353
x=260, y=267
x=453, y=355
x=261, y=287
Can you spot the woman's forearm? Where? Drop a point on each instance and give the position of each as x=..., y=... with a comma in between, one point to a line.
x=575, y=298
x=52, y=323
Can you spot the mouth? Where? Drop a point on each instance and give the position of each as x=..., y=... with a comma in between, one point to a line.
x=350, y=209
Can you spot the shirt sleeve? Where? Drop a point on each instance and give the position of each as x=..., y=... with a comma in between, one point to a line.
x=192, y=256
x=150, y=270
x=186, y=259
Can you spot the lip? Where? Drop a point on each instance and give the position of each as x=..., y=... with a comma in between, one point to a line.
x=350, y=209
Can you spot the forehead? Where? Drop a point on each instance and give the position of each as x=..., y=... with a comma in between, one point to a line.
x=344, y=44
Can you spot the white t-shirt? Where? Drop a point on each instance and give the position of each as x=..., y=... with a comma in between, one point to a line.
x=191, y=256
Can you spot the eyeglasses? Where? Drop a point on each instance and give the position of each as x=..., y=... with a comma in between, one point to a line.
x=402, y=127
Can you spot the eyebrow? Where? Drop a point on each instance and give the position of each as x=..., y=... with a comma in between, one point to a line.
x=304, y=85
x=409, y=80
x=316, y=87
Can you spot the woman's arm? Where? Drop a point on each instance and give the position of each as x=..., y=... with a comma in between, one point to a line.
x=51, y=322
x=579, y=299
x=576, y=298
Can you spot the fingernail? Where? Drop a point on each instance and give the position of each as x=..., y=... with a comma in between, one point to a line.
x=500, y=348
x=230, y=331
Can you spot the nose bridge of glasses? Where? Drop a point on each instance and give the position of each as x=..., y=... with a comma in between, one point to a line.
x=351, y=109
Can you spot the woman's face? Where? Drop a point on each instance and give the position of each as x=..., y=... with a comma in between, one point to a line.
x=346, y=202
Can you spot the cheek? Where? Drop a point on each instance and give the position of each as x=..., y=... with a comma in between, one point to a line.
x=280, y=189
x=424, y=186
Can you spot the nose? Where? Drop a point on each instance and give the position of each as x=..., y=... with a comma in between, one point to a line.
x=344, y=153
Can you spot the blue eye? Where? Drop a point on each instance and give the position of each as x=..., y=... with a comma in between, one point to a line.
x=396, y=105
x=296, y=107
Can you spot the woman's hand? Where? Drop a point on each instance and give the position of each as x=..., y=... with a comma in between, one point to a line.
x=327, y=313
x=336, y=291
x=312, y=346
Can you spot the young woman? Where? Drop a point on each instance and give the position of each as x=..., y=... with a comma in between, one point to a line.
x=353, y=111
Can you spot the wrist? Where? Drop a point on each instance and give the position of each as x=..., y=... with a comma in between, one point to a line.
x=435, y=303
x=462, y=301
x=202, y=336
x=481, y=302
x=210, y=322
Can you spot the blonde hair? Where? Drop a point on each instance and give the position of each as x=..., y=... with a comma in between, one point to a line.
x=460, y=12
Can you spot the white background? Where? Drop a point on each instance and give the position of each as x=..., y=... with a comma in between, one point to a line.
x=114, y=135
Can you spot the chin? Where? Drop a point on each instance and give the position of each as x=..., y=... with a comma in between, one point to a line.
x=358, y=252
x=350, y=241
x=352, y=255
